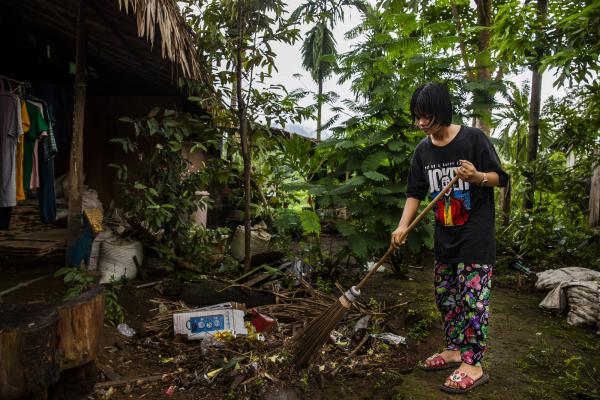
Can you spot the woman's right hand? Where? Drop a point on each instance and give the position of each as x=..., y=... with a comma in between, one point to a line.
x=398, y=236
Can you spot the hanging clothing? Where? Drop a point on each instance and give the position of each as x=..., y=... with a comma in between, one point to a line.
x=20, y=151
x=38, y=126
x=11, y=127
x=47, y=150
x=34, y=183
x=60, y=99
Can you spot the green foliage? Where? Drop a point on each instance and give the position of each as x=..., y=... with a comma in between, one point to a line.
x=575, y=42
x=287, y=222
x=161, y=197
x=369, y=155
x=76, y=279
x=203, y=246
x=113, y=311
x=309, y=220
x=557, y=226
x=215, y=27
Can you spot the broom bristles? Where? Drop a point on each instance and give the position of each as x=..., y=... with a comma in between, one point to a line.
x=308, y=341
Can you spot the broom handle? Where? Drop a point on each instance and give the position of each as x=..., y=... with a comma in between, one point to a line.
x=407, y=231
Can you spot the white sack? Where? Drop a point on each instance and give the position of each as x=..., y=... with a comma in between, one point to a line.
x=116, y=259
x=553, y=277
x=106, y=234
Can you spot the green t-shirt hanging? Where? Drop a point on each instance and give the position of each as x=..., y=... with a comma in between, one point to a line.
x=38, y=125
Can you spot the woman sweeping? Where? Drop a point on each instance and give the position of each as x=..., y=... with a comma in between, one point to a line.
x=465, y=247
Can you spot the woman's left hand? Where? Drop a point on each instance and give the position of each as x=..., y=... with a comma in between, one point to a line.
x=468, y=173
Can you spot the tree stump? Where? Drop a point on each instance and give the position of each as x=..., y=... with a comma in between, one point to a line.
x=79, y=328
x=28, y=343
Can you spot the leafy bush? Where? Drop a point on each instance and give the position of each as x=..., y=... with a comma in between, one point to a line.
x=161, y=197
x=76, y=279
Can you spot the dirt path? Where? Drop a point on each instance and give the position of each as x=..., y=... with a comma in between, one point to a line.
x=531, y=354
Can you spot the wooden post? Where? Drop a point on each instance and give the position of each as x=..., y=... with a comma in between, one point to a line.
x=76, y=162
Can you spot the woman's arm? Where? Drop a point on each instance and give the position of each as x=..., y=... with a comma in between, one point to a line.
x=468, y=173
x=408, y=214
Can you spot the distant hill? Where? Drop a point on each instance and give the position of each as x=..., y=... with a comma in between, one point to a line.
x=301, y=130
x=305, y=131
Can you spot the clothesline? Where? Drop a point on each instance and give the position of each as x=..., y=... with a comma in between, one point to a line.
x=9, y=80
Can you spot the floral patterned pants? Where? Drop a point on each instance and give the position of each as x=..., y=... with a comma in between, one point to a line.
x=462, y=294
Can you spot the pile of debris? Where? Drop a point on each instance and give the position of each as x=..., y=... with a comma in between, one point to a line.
x=211, y=347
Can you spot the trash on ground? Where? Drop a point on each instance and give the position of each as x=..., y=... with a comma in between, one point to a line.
x=126, y=330
x=389, y=338
x=262, y=322
x=338, y=339
x=360, y=330
x=518, y=265
x=371, y=265
x=302, y=271
x=170, y=390
x=206, y=321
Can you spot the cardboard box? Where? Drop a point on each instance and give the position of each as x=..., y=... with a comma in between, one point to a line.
x=199, y=323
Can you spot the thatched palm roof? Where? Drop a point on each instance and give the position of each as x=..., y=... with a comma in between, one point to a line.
x=145, y=42
x=176, y=43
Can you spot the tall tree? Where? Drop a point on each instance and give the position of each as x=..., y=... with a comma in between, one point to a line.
x=483, y=94
x=319, y=48
x=234, y=39
x=536, y=98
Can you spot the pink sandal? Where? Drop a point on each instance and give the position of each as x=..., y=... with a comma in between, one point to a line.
x=465, y=382
x=437, y=362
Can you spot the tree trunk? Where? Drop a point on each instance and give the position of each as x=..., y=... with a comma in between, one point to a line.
x=245, y=137
x=482, y=98
x=594, y=220
x=534, y=108
x=28, y=356
x=461, y=43
x=505, y=203
x=76, y=157
x=319, y=104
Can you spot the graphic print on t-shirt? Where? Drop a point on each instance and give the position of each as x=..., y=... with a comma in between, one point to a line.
x=454, y=208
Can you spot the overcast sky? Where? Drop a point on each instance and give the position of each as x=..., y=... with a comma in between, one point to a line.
x=289, y=62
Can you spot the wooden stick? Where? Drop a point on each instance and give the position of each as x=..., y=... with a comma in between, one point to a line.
x=109, y=372
x=145, y=285
x=123, y=382
x=23, y=284
x=418, y=219
x=394, y=307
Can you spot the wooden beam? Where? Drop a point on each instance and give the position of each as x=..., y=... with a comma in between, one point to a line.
x=76, y=160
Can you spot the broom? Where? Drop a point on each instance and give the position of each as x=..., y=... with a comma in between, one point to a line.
x=308, y=341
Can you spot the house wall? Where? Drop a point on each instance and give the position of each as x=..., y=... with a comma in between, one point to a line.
x=102, y=124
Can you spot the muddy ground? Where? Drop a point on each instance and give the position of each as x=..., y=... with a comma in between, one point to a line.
x=531, y=354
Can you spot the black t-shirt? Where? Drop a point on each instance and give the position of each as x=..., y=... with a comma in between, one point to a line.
x=465, y=228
